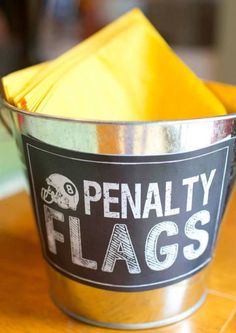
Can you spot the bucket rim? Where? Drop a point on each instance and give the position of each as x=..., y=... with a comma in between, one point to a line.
x=230, y=116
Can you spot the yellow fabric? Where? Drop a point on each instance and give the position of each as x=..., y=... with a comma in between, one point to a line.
x=124, y=72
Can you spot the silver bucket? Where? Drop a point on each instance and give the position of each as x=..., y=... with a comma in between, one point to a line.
x=163, y=298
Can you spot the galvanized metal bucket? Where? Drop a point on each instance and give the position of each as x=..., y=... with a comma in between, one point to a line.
x=117, y=145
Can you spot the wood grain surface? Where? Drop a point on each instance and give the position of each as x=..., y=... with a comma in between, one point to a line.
x=25, y=305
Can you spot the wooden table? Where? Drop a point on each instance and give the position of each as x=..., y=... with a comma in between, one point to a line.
x=26, y=307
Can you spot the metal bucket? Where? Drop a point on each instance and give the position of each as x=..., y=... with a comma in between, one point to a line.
x=127, y=260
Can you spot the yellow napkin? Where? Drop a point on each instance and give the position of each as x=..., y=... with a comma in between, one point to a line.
x=124, y=72
x=14, y=82
x=225, y=93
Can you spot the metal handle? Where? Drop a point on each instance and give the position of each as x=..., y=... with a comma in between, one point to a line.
x=2, y=118
x=5, y=124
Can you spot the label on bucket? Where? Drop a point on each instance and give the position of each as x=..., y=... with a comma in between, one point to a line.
x=128, y=223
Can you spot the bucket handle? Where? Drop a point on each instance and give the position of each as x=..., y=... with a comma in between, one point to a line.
x=2, y=118
x=5, y=124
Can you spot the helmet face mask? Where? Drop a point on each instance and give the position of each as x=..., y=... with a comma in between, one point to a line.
x=62, y=191
x=47, y=194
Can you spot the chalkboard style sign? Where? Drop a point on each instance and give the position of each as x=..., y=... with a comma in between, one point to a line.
x=128, y=223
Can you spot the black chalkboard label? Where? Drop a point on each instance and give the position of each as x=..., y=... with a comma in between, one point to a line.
x=128, y=223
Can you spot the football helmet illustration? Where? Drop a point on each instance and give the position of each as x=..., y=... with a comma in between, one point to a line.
x=60, y=190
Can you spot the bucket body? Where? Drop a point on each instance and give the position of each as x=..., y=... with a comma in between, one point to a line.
x=128, y=213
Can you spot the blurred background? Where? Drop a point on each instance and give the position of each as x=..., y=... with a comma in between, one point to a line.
x=202, y=32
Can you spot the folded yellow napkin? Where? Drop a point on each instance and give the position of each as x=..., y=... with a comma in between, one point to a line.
x=126, y=71
x=225, y=93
